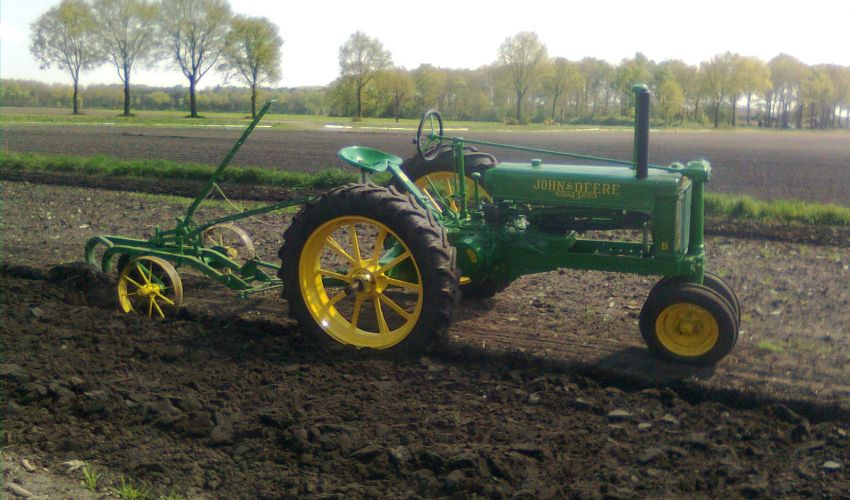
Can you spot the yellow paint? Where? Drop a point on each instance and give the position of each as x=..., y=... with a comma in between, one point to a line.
x=367, y=281
x=577, y=190
x=687, y=329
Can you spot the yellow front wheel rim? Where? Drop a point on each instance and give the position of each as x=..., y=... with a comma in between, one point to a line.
x=360, y=282
x=149, y=286
x=687, y=329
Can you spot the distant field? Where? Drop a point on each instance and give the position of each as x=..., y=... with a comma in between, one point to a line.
x=805, y=165
x=58, y=116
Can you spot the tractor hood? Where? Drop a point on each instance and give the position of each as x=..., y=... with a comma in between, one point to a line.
x=592, y=186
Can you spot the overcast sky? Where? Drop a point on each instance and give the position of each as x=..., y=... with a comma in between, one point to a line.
x=467, y=33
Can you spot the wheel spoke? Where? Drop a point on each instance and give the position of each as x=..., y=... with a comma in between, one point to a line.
x=355, y=317
x=334, y=275
x=336, y=298
x=166, y=299
x=355, y=245
x=158, y=309
x=379, y=314
x=131, y=280
x=402, y=284
x=141, y=269
x=391, y=264
x=379, y=244
x=395, y=307
x=336, y=246
x=150, y=307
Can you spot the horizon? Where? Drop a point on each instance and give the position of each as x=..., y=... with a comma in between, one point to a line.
x=310, y=50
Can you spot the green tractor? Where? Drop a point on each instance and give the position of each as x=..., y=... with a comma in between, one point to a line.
x=385, y=267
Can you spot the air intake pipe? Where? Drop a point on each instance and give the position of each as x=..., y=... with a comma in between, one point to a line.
x=641, y=144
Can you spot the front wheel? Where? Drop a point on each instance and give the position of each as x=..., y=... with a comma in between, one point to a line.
x=688, y=323
x=368, y=267
x=710, y=280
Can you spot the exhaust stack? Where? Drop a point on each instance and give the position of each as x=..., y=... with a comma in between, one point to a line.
x=641, y=144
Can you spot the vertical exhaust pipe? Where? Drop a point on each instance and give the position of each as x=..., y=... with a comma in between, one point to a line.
x=641, y=144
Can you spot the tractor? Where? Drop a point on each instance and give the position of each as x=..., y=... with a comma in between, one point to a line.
x=383, y=266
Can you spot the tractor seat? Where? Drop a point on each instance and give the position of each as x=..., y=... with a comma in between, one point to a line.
x=369, y=159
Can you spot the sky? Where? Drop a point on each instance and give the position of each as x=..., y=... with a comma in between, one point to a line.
x=468, y=33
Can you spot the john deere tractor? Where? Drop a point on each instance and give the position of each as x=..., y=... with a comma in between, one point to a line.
x=385, y=267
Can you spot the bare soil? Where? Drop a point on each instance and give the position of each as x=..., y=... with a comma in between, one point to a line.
x=544, y=390
x=811, y=166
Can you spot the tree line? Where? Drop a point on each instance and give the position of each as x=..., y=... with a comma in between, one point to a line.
x=196, y=36
x=523, y=84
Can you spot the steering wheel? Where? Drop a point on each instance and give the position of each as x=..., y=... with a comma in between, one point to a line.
x=428, y=138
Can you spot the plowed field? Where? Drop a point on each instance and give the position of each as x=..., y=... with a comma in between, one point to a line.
x=545, y=390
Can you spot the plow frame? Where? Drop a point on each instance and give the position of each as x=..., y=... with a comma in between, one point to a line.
x=183, y=245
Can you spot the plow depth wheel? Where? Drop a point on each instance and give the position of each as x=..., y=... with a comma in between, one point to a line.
x=368, y=267
x=149, y=286
x=231, y=241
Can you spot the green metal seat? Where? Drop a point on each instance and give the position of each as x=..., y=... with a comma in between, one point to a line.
x=369, y=159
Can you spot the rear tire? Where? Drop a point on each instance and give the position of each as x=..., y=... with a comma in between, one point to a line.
x=368, y=267
x=474, y=161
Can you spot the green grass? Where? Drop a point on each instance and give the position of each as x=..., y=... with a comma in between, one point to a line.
x=716, y=205
x=90, y=478
x=128, y=490
x=748, y=208
x=113, y=117
x=159, y=169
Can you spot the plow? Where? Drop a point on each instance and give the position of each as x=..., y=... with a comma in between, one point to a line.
x=384, y=266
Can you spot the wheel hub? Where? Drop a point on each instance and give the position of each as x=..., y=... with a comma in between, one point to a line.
x=149, y=290
x=363, y=282
x=687, y=328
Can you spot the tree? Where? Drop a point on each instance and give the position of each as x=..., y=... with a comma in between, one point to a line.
x=194, y=32
x=252, y=52
x=686, y=77
x=400, y=86
x=360, y=58
x=670, y=97
x=562, y=78
x=717, y=77
x=818, y=91
x=521, y=55
x=597, y=75
x=753, y=78
x=786, y=74
x=65, y=36
x=629, y=73
x=430, y=86
x=125, y=31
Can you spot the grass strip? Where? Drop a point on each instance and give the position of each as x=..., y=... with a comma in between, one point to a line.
x=717, y=205
x=745, y=207
x=164, y=169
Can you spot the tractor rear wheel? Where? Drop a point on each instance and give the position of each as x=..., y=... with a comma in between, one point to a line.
x=369, y=267
x=688, y=323
x=441, y=171
x=439, y=174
